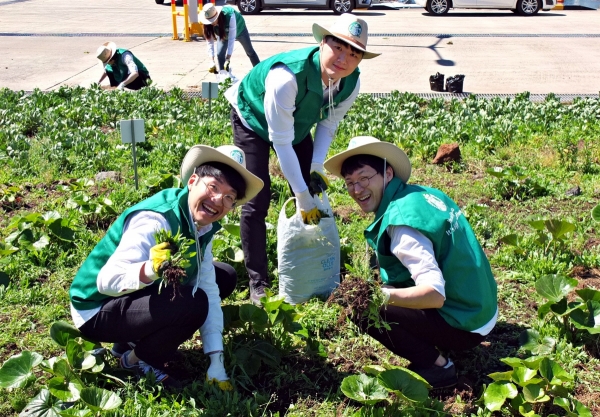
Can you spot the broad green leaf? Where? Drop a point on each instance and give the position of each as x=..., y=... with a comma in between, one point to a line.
x=234, y=254
x=42, y=405
x=534, y=393
x=217, y=244
x=63, y=389
x=537, y=224
x=501, y=376
x=533, y=362
x=559, y=228
x=249, y=313
x=7, y=249
x=364, y=389
x=62, y=230
x=61, y=332
x=231, y=316
x=523, y=376
x=596, y=213
x=404, y=384
x=587, y=319
x=497, y=393
x=544, y=309
x=79, y=356
x=512, y=240
x=553, y=372
x=41, y=243
x=51, y=216
x=373, y=370
x=555, y=287
x=512, y=362
x=99, y=399
x=531, y=341
x=232, y=228
x=582, y=410
x=17, y=370
x=71, y=412
x=588, y=294
x=62, y=369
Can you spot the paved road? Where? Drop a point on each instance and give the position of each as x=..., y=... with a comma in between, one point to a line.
x=48, y=43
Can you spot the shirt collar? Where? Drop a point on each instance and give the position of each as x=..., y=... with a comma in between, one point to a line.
x=334, y=86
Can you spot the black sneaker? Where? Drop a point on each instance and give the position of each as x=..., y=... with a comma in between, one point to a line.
x=144, y=369
x=439, y=376
x=118, y=349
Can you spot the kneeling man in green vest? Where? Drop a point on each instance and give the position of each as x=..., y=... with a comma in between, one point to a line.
x=116, y=296
x=439, y=288
x=122, y=68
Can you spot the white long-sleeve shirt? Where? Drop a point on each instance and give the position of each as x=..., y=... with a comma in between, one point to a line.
x=210, y=43
x=281, y=89
x=415, y=251
x=120, y=274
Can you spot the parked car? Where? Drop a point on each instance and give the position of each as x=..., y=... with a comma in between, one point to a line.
x=338, y=6
x=522, y=7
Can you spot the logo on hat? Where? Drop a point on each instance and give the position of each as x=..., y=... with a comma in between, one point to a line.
x=237, y=156
x=355, y=29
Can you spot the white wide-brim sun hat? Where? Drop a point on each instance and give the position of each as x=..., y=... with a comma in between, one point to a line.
x=209, y=13
x=368, y=145
x=106, y=51
x=229, y=155
x=350, y=29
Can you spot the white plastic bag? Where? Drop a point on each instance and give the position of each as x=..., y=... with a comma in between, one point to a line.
x=223, y=75
x=308, y=255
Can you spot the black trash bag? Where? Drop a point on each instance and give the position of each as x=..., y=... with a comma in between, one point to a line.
x=455, y=84
x=436, y=82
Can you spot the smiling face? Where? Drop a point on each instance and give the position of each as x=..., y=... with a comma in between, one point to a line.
x=338, y=59
x=207, y=207
x=368, y=197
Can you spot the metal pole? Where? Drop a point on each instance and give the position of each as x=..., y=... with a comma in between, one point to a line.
x=134, y=158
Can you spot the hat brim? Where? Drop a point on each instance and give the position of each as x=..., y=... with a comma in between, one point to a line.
x=384, y=150
x=201, y=154
x=210, y=21
x=319, y=32
x=113, y=49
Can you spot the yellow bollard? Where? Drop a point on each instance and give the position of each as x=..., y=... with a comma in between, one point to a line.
x=174, y=16
x=186, y=19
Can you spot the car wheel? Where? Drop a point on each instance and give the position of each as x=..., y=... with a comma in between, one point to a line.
x=438, y=7
x=159, y=1
x=528, y=7
x=248, y=6
x=342, y=6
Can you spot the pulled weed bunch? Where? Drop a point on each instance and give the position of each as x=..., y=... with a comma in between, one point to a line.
x=360, y=301
x=173, y=270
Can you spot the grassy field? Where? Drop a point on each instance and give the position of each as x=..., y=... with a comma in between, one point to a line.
x=528, y=181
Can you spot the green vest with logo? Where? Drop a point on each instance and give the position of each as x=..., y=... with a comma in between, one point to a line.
x=310, y=106
x=240, y=23
x=120, y=70
x=172, y=203
x=471, y=293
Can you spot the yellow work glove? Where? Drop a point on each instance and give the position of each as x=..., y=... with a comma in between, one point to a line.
x=318, y=178
x=213, y=69
x=216, y=372
x=160, y=255
x=308, y=209
x=227, y=66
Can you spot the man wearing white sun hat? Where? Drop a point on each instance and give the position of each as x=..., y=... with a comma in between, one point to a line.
x=122, y=68
x=115, y=295
x=275, y=106
x=439, y=286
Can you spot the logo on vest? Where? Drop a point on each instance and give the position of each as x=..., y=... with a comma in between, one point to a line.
x=435, y=202
x=355, y=29
x=237, y=156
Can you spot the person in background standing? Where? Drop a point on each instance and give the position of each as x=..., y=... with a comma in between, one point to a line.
x=225, y=25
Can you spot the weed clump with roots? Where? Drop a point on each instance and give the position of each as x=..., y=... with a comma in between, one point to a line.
x=360, y=301
x=173, y=269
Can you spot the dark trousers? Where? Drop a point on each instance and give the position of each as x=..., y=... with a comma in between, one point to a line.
x=254, y=212
x=155, y=323
x=244, y=40
x=417, y=335
x=140, y=82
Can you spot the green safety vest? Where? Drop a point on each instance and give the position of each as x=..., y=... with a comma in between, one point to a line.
x=120, y=70
x=310, y=106
x=471, y=293
x=240, y=23
x=172, y=203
